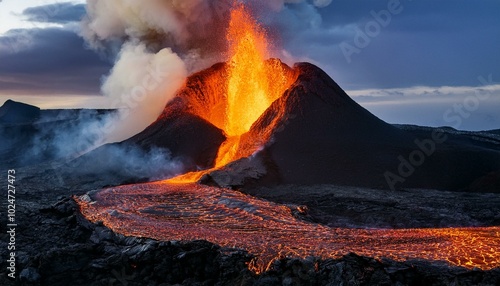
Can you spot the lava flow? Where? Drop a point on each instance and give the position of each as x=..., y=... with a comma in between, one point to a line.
x=234, y=100
x=194, y=212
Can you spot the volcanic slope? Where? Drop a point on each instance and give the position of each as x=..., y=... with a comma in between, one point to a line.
x=318, y=135
x=326, y=137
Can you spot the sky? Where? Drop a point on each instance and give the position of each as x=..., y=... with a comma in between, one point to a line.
x=426, y=62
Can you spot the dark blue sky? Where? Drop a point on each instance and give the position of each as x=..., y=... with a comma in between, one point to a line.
x=426, y=43
x=429, y=42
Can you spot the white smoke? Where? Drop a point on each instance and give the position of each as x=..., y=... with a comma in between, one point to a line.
x=140, y=85
x=156, y=43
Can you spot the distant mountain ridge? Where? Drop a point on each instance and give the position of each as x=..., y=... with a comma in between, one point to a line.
x=17, y=112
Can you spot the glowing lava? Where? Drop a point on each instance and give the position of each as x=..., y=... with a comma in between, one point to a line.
x=251, y=84
x=268, y=230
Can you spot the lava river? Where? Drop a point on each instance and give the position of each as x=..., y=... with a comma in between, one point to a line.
x=181, y=209
x=167, y=211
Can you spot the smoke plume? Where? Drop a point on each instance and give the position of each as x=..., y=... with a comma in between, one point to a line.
x=139, y=86
x=155, y=44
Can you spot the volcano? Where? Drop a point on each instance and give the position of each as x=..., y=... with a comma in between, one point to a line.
x=313, y=133
x=255, y=120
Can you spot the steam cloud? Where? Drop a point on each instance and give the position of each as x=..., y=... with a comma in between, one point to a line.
x=140, y=85
x=155, y=44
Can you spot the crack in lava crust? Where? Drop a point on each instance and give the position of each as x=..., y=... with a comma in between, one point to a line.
x=167, y=212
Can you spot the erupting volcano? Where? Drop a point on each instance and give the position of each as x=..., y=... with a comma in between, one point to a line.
x=255, y=121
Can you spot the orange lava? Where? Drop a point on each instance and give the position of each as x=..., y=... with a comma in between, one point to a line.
x=251, y=84
x=190, y=212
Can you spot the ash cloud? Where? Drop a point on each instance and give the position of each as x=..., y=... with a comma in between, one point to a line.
x=195, y=30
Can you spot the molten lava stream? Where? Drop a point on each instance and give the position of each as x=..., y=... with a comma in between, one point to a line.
x=268, y=230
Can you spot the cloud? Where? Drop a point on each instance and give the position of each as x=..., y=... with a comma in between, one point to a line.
x=435, y=106
x=425, y=91
x=48, y=61
x=428, y=43
x=60, y=13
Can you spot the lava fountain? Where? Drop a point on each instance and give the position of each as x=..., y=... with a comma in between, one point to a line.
x=251, y=83
x=234, y=100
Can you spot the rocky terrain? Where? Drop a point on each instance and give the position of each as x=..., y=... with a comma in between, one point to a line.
x=57, y=246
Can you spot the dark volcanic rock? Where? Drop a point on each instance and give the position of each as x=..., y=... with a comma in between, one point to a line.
x=188, y=137
x=326, y=137
x=488, y=183
x=13, y=112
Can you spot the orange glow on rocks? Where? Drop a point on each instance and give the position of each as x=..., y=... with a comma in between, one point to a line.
x=269, y=230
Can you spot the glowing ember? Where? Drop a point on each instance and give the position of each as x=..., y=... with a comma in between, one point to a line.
x=267, y=230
